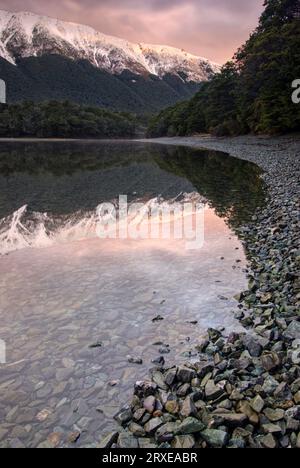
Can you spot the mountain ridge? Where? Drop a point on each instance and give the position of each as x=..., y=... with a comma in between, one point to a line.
x=43, y=58
x=25, y=34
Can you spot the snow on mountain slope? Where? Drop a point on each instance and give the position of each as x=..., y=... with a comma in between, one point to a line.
x=26, y=34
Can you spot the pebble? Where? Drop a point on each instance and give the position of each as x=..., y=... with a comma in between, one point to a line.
x=127, y=441
x=160, y=361
x=158, y=318
x=137, y=430
x=149, y=404
x=133, y=360
x=43, y=415
x=188, y=408
x=274, y=415
x=257, y=404
x=73, y=437
x=213, y=391
x=185, y=375
x=215, y=438
x=190, y=425
x=123, y=416
x=97, y=344
x=293, y=331
x=270, y=361
x=183, y=442
x=108, y=440
x=54, y=438
x=152, y=425
x=244, y=391
x=268, y=442
x=172, y=406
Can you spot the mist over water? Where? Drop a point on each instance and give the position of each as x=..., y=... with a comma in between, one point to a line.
x=63, y=289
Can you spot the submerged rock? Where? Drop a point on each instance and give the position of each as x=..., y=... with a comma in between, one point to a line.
x=97, y=344
x=244, y=391
x=158, y=318
x=108, y=440
x=133, y=360
x=123, y=416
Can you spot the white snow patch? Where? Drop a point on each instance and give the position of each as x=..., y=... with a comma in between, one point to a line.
x=107, y=52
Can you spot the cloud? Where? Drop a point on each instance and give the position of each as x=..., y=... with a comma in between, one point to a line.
x=210, y=28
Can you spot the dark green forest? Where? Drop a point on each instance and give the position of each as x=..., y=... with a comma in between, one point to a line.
x=55, y=119
x=57, y=78
x=252, y=94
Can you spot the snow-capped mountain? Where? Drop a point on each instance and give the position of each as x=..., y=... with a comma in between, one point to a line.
x=25, y=35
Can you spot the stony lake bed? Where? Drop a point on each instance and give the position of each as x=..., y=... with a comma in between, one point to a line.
x=244, y=391
x=241, y=390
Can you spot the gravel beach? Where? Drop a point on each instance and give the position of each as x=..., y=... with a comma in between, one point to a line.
x=244, y=391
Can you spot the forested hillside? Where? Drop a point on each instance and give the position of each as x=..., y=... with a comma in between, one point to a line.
x=53, y=77
x=64, y=120
x=252, y=94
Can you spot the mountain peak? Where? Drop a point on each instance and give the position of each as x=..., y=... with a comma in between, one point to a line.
x=25, y=34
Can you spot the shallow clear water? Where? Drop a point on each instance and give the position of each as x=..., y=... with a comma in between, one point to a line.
x=77, y=290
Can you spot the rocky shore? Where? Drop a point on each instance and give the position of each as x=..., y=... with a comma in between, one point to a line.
x=243, y=390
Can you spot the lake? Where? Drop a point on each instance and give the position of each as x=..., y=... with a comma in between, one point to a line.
x=75, y=308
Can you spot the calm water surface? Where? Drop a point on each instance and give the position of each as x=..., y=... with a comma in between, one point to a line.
x=63, y=289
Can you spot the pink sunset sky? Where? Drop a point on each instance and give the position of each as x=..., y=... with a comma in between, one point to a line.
x=209, y=28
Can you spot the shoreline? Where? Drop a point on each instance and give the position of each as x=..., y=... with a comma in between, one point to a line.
x=62, y=140
x=245, y=389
